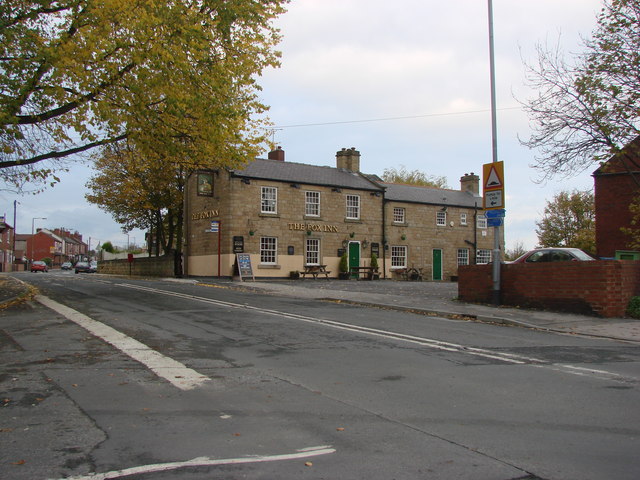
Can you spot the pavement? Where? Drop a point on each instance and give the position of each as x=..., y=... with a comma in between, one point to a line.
x=428, y=298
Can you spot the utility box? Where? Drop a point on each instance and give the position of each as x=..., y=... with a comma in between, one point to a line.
x=627, y=255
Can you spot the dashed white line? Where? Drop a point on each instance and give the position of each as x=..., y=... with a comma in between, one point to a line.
x=427, y=342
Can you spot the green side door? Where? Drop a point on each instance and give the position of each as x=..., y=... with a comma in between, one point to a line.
x=437, y=264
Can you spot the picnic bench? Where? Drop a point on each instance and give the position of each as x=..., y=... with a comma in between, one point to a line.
x=365, y=273
x=314, y=271
x=409, y=273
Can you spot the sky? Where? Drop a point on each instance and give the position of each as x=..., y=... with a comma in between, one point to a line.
x=407, y=83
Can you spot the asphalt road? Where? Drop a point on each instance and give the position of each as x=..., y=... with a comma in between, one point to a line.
x=157, y=380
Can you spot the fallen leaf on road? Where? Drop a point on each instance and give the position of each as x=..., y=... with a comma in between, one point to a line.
x=19, y=462
x=340, y=429
x=308, y=464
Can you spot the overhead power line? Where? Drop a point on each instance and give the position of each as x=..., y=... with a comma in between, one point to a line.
x=388, y=119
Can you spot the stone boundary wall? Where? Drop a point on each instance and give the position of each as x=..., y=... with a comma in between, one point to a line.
x=147, y=266
x=601, y=288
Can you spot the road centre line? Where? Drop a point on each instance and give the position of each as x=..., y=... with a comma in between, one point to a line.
x=437, y=344
x=427, y=342
x=171, y=370
x=207, y=462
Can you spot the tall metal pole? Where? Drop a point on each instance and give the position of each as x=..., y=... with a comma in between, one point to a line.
x=495, y=294
x=14, y=265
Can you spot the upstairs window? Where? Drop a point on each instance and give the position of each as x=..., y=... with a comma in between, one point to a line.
x=441, y=219
x=269, y=200
x=353, y=207
x=481, y=221
x=312, y=204
x=463, y=219
x=398, y=215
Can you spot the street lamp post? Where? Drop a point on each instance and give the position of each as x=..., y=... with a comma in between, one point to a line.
x=33, y=222
x=495, y=292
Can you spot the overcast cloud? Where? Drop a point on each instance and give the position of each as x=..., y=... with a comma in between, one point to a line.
x=354, y=70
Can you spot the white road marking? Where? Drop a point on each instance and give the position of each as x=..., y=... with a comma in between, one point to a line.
x=206, y=462
x=171, y=370
x=428, y=342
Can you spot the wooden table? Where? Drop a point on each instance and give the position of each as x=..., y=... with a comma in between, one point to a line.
x=315, y=270
x=368, y=273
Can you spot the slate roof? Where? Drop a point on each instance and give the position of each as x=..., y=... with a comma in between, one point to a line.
x=304, y=174
x=430, y=195
x=301, y=173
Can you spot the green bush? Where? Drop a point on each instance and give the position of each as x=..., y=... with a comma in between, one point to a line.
x=633, y=309
x=344, y=263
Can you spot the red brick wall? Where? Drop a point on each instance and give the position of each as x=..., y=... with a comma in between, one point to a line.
x=613, y=195
x=601, y=288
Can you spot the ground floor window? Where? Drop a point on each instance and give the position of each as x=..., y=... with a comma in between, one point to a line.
x=483, y=256
x=268, y=250
x=313, y=251
x=463, y=256
x=398, y=256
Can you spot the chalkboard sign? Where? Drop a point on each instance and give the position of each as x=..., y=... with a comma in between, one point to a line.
x=244, y=265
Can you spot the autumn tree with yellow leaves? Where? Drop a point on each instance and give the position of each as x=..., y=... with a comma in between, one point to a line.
x=176, y=80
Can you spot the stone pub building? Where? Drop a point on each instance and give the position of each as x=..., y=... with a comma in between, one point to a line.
x=287, y=215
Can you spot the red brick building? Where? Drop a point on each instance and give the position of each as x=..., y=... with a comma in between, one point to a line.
x=6, y=245
x=58, y=245
x=617, y=184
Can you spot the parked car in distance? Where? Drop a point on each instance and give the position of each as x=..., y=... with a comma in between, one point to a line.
x=82, y=267
x=66, y=266
x=93, y=267
x=540, y=255
x=39, y=266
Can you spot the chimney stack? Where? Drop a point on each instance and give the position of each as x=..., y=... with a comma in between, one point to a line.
x=277, y=154
x=470, y=182
x=348, y=159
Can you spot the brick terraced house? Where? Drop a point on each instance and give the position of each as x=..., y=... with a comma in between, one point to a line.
x=286, y=216
x=616, y=186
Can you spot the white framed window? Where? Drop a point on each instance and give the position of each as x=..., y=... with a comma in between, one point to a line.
x=312, y=204
x=398, y=215
x=353, y=207
x=268, y=250
x=463, y=219
x=463, y=256
x=398, y=256
x=313, y=251
x=269, y=200
x=483, y=256
x=441, y=219
x=481, y=221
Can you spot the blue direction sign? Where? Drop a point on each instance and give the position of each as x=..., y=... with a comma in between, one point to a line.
x=497, y=213
x=215, y=226
x=494, y=222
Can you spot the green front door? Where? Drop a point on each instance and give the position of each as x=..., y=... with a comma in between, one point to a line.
x=437, y=264
x=354, y=255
